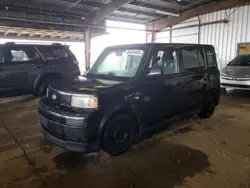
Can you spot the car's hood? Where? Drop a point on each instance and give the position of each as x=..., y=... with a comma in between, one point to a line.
x=84, y=85
x=237, y=71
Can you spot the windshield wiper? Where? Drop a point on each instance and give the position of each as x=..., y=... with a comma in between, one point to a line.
x=109, y=76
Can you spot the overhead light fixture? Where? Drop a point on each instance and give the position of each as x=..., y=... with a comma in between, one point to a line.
x=167, y=13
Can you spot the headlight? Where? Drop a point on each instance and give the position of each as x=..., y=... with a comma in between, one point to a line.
x=88, y=101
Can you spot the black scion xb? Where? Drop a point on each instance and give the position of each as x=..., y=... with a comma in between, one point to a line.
x=129, y=90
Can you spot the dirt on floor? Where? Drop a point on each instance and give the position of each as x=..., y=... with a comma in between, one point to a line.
x=193, y=153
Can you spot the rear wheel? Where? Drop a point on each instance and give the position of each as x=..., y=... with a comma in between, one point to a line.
x=118, y=135
x=208, y=108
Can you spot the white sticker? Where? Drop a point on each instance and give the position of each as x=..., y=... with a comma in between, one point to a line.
x=134, y=52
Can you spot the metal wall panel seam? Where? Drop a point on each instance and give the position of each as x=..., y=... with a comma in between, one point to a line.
x=247, y=23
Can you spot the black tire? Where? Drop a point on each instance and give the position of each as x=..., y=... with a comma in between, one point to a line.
x=44, y=84
x=118, y=135
x=208, y=108
x=223, y=91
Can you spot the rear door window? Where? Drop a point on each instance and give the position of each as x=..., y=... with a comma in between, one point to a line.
x=201, y=57
x=22, y=54
x=189, y=59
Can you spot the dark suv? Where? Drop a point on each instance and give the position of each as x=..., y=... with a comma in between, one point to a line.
x=33, y=67
x=129, y=90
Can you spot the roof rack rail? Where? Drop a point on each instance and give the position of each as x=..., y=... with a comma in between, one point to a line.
x=59, y=44
x=10, y=43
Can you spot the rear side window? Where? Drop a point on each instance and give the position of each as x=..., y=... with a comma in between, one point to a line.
x=190, y=59
x=23, y=54
x=211, y=58
x=59, y=53
x=52, y=53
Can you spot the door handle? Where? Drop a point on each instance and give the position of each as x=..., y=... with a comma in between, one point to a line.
x=187, y=79
x=38, y=66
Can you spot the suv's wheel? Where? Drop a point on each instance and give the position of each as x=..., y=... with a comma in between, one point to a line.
x=42, y=87
x=208, y=108
x=118, y=135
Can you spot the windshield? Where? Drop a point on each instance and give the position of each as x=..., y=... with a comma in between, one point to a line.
x=242, y=60
x=117, y=63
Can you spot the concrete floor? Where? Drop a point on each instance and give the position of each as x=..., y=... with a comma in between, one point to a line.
x=193, y=153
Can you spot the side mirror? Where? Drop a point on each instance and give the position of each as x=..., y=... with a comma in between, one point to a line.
x=155, y=71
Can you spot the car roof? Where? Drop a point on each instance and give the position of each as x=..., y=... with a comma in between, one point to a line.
x=146, y=45
x=25, y=44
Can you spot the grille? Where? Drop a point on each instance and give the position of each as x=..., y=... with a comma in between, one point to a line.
x=52, y=118
x=55, y=130
x=59, y=98
x=236, y=85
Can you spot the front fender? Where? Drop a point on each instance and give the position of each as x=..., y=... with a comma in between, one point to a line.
x=124, y=108
x=37, y=81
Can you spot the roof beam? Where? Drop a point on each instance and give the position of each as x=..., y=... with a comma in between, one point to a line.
x=179, y=4
x=105, y=10
x=128, y=18
x=139, y=12
x=30, y=5
x=212, y=7
x=147, y=5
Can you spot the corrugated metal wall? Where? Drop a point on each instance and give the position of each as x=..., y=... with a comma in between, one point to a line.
x=224, y=37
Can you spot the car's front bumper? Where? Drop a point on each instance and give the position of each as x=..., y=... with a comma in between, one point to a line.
x=66, y=129
x=235, y=83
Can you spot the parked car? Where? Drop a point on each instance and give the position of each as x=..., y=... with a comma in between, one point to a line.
x=236, y=75
x=34, y=67
x=129, y=90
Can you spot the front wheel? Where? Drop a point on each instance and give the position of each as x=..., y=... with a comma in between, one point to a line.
x=44, y=84
x=208, y=108
x=118, y=135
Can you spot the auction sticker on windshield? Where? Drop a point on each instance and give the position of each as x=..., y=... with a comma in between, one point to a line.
x=134, y=52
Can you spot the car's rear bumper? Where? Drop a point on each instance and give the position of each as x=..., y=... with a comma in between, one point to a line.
x=235, y=84
x=67, y=129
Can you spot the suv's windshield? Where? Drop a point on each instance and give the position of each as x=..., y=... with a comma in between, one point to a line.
x=117, y=63
x=242, y=60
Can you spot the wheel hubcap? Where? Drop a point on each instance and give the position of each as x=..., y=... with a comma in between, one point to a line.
x=120, y=135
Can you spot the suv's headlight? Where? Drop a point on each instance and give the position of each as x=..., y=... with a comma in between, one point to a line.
x=88, y=101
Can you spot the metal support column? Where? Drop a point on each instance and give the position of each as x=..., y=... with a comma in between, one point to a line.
x=199, y=31
x=150, y=35
x=87, y=41
x=171, y=34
